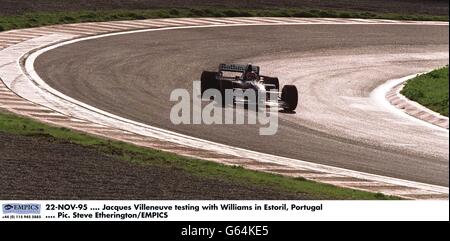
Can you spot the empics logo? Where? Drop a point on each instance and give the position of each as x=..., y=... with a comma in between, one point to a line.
x=19, y=208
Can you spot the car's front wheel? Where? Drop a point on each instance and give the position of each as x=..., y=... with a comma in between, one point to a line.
x=289, y=95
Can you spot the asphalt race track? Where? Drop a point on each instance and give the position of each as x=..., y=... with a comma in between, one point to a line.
x=335, y=68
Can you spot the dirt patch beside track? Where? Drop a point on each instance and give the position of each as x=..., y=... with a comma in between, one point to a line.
x=51, y=169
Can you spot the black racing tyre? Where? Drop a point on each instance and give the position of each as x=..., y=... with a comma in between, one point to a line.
x=272, y=81
x=209, y=80
x=289, y=95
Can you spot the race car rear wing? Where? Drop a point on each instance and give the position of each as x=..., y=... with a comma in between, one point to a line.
x=237, y=68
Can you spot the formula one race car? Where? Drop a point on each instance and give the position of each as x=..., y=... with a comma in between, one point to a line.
x=249, y=78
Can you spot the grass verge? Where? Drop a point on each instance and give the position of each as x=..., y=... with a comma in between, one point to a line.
x=36, y=19
x=430, y=90
x=13, y=124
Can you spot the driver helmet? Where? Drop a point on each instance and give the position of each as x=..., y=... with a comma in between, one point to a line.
x=249, y=67
x=249, y=74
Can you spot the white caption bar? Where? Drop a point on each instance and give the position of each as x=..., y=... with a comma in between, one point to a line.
x=222, y=210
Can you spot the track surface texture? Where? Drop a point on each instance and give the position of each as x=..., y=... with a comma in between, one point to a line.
x=51, y=169
x=335, y=68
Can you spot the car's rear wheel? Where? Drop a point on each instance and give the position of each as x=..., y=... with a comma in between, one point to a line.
x=209, y=80
x=289, y=95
